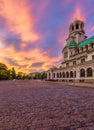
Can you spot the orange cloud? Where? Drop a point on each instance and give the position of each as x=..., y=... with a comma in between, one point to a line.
x=19, y=19
x=23, y=61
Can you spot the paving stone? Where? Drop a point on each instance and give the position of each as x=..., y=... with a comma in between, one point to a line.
x=42, y=105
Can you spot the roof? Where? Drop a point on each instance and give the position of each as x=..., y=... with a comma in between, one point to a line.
x=86, y=42
x=72, y=43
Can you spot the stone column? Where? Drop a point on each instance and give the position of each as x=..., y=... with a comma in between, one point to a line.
x=51, y=73
x=68, y=53
x=79, y=25
x=47, y=75
x=74, y=26
x=77, y=73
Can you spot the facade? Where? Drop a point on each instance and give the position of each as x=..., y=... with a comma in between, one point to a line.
x=78, y=57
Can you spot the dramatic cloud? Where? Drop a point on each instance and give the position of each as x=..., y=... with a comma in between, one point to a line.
x=37, y=64
x=34, y=32
x=19, y=19
x=18, y=59
x=11, y=61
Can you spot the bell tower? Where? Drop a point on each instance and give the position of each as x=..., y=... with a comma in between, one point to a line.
x=76, y=32
x=77, y=26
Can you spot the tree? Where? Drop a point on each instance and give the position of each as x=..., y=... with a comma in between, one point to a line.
x=13, y=73
x=9, y=74
x=43, y=75
x=3, y=66
x=3, y=71
x=3, y=74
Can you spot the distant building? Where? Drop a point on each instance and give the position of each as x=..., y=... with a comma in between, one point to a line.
x=78, y=57
x=32, y=75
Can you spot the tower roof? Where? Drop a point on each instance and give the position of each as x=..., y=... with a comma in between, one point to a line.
x=77, y=21
x=86, y=42
x=70, y=44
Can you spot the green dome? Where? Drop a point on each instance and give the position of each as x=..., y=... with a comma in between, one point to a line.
x=72, y=43
x=88, y=41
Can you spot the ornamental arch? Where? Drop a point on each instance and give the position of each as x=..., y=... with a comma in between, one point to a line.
x=60, y=75
x=54, y=75
x=57, y=75
x=63, y=74
x=49, y=76
x=82, y=72
x=67, y=74
x=74, y=74
x=71, y=74
x=89, y=72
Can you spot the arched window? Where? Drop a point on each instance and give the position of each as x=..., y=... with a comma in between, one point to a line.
x=89, y=72
x=54, y=75
x=72, y=27
x=82, y=73
x=92, y=45
x=77, y=26
x=82, y=49
x=74, y=74
x=57, y=75
x=78, y=51
x=71, y=74
x=60, y=75
x=86, y=47
x=65, y=54
x=49, y=75
x=67, y=74
x=63, y=75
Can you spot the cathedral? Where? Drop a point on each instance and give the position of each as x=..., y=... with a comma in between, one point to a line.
x=78, y=57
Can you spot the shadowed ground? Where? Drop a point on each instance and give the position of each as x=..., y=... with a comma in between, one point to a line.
x=38, y=105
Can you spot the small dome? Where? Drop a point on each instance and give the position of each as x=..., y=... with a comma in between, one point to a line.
x=77, y=25
x=77, y=21
x=72, y=43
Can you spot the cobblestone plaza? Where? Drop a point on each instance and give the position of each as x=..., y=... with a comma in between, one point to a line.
x=42, y=105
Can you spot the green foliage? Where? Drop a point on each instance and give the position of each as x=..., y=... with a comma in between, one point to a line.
x=3, y=71
x=13, y=73
x=3, y=66
x=3, y=74
x=43, y=75
x=6, y=73
x=10, y=74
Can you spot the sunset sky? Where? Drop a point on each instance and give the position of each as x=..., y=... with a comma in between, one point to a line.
x=33, y=32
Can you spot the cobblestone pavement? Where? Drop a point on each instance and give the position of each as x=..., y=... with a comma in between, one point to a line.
x=36, y=105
